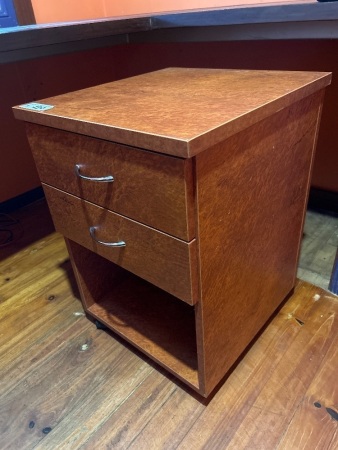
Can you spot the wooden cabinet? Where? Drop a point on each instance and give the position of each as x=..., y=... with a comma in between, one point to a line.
x=181, y=195
x=151, y=188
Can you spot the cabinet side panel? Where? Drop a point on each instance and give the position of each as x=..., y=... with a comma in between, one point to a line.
x=251, y=194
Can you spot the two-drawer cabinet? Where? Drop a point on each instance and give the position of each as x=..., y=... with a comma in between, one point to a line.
x=181, y=195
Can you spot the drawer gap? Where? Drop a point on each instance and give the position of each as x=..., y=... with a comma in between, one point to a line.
x=155, y=322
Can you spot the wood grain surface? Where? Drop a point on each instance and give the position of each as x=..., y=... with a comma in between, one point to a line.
x=155, y=322
x=259, y=131
x=163, y=260
x=176, y=111
x=66, y=384
x=153, y=189
x=251, y=210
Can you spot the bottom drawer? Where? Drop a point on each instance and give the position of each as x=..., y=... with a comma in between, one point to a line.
x=163, y=260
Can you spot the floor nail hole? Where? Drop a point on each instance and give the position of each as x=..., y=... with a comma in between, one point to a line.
x=333, y=413
x=299, y=321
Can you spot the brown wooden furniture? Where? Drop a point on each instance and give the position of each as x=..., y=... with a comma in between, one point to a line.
x=59, y=373
x=191, y=241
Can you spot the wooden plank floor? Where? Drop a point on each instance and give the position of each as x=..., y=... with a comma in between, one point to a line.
x=319, y=247
x=64, y=384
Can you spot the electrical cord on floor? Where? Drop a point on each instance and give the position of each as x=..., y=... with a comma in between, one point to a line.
x=10, y=229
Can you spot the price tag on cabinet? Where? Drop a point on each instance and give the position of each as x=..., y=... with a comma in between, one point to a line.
x=36, y=106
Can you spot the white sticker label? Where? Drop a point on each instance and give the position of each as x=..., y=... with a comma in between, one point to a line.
x=36, y=106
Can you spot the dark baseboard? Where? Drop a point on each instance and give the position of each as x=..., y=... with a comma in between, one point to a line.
x=21, y=200
x=323, y=201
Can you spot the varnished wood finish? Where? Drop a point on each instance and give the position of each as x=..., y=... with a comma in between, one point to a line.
x=260, y=178
x=159, y=258
x=153, y=189
x=157, y=323
x=176, y=111
x=258, y=131
x=66, y=384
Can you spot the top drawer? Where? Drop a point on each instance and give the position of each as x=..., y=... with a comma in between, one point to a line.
x=154, y=189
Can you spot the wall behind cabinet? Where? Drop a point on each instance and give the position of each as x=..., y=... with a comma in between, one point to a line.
x=49, y=76
x=69, y=10
x=36, y=79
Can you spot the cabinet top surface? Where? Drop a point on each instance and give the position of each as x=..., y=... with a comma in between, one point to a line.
x=176, y=111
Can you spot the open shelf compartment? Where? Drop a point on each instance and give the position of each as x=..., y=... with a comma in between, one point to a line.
x=155, y=322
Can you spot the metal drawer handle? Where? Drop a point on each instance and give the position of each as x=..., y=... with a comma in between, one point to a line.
x=107, y=244
x=107, y=179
